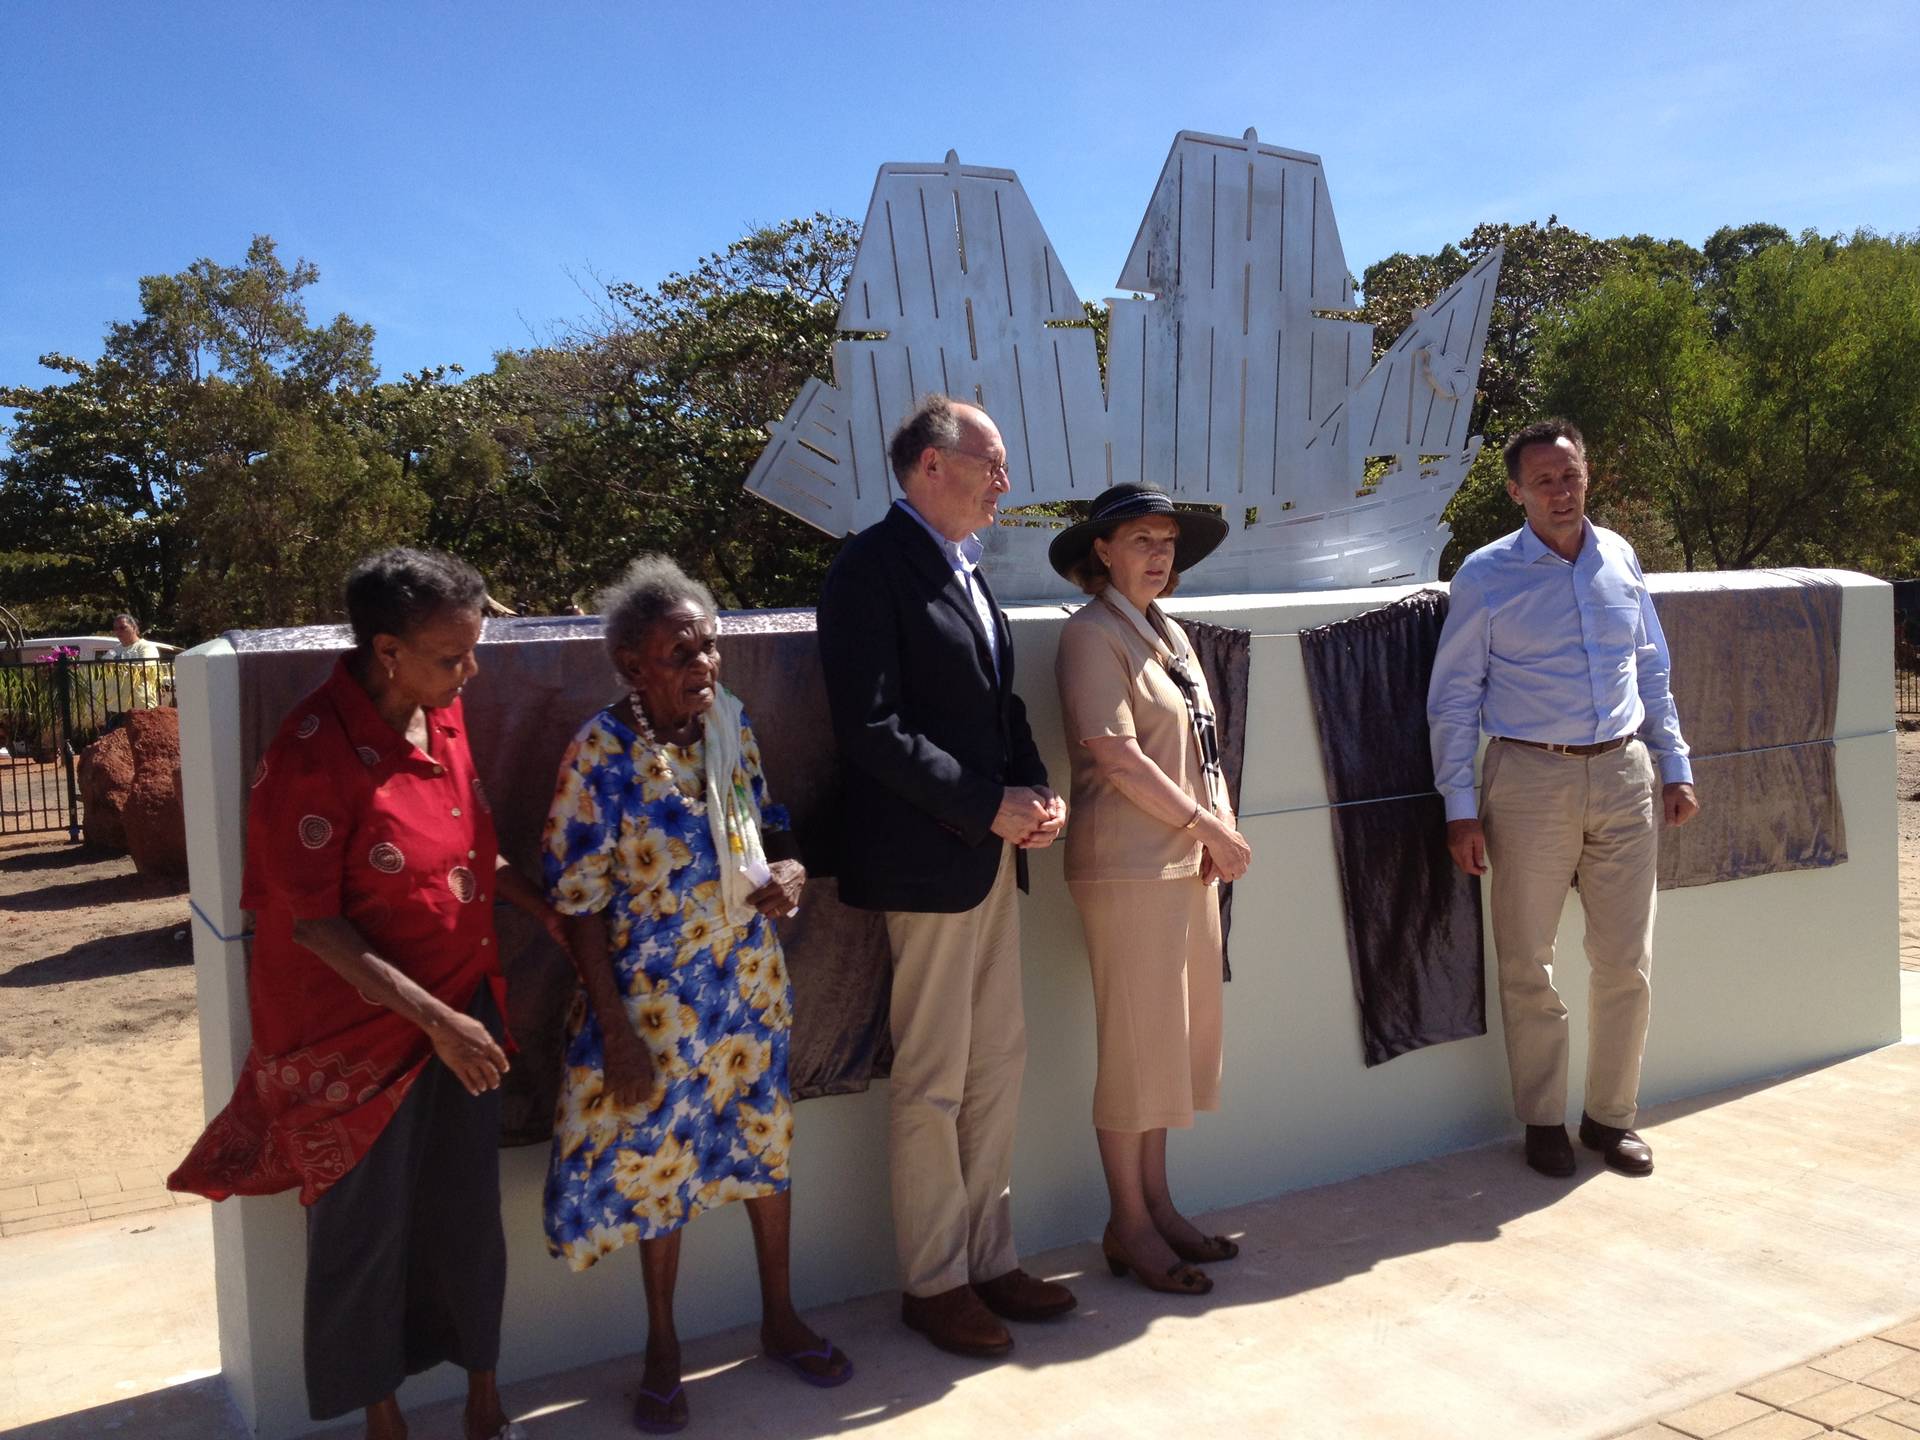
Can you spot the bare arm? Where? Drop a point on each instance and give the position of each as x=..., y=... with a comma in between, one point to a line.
x=1129, y=770
x=629, y=1073
x=459, y=1040
x=524, y=895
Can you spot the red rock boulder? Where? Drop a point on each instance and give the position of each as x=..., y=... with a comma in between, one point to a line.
x=105, y=772
x=154, y=816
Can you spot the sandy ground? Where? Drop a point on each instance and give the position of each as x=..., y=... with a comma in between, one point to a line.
x=99, y=1048
x=99, y=1042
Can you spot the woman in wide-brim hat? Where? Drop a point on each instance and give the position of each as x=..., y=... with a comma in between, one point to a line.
x=1152, y=833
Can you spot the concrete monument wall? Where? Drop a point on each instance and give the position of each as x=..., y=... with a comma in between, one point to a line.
x=1752, y=978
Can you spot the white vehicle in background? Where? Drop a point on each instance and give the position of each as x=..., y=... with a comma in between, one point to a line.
x=87, y=647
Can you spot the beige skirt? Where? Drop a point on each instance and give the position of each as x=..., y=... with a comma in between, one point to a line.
x=1154, y=946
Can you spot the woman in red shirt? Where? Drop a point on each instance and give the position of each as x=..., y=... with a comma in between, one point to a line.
x=377, y=1002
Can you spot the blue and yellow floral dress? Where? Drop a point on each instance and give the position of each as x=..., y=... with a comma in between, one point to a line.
x=628, y=833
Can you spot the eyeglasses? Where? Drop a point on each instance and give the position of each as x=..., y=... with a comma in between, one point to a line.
x=995, y=468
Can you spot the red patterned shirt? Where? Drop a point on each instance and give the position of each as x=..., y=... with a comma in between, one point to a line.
x=349, y=819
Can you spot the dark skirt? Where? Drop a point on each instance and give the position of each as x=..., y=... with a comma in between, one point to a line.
x=406, y=1257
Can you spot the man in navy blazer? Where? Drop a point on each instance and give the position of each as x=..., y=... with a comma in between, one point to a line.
x=945, y=790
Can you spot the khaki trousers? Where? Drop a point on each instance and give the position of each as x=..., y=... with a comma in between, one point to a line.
x=959, y=1047
x=1548, y=819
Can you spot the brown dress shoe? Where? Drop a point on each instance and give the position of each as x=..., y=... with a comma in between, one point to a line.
x=1623, y=1150
x=1017, y=1295
x=957, y=1322
x=1549, y=1151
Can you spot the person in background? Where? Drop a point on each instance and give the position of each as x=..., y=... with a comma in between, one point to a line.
x=134, y=682
x=944, y=791
x=671, y=862
x=1553, y=647
x=377, y=1001
x=1153, y=833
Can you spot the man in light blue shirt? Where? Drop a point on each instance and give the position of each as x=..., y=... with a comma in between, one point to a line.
x=1552, y=647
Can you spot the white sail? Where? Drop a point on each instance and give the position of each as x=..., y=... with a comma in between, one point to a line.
x=957, y=277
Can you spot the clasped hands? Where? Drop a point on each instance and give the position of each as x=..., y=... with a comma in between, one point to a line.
x=1030, y=816
x=780, y=896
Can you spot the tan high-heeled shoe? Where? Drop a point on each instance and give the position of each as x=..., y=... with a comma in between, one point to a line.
x=1180, y=1279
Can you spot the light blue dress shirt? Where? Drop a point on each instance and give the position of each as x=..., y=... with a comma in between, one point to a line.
x=964, y=557
x=1539, y=648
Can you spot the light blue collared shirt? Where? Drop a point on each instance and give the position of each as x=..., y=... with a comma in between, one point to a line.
x=964, y=557
x=1539, y=648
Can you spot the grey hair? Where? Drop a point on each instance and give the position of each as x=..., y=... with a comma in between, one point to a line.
x=126, y=617
x=933, y=425
x=653, y=585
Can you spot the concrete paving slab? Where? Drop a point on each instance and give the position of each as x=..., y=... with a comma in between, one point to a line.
x=1837, y=1407
x=1780, y=1425
x=1876, y=1427
x=1716, y=1416
x=1862, y=1358
x=1791, y=1385
x=1902, y=1377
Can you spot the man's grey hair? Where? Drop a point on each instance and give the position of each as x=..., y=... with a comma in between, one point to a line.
x=932, y=425
x=128, y=618
x=652, y=586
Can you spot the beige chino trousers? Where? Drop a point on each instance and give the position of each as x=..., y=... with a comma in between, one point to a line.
x=959, y=1048
x=1549, y=818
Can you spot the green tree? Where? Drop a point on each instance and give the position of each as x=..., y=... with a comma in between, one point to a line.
x=186, y=407
x=1769, y=414
x=640, y=425
x=277, y=529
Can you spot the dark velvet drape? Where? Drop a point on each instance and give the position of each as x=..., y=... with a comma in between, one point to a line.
x=1226, y=656
x=539, y=681
x=1413, y=920
x=1756, y=679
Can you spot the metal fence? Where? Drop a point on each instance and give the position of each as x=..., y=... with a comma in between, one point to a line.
x=52, y=709
x=1906, y=647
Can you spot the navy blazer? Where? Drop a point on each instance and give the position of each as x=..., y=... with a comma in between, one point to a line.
x=929, y=736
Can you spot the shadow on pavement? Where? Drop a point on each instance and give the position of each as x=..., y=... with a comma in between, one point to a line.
x=196, y=1410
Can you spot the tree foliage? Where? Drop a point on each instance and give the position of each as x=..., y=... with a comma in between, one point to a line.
x=226, y=457
x=1767, y=412
x=203, y=471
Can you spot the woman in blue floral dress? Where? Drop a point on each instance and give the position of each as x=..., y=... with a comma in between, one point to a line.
x=660, y=849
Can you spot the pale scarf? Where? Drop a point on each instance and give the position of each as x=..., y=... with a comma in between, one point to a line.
x=1172, y=649
x=732, y=815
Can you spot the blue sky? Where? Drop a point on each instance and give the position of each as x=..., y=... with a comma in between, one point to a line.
x=460, y=171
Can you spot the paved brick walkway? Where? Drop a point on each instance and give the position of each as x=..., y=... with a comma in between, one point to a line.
x=1869, y=1390
x=47, y=1202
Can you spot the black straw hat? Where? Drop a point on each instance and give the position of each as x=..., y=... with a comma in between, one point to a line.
x=1201, y=531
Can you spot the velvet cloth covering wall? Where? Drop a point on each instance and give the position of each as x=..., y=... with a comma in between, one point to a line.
x=539, y=681
x=1412, y=918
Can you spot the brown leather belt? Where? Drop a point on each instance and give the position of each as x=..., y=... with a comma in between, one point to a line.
x=1599, y=749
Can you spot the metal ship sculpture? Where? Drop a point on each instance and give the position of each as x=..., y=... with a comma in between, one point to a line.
x=1236, y=381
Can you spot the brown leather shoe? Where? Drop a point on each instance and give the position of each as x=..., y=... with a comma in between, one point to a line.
x=1017, y=1295
x=1549, y=1151
x=957, y=1322
x=1623, y=1150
